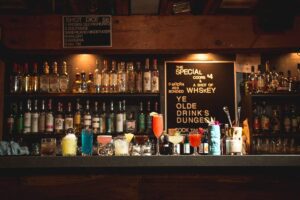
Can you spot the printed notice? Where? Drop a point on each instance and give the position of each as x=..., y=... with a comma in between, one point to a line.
x=195, y=91
x=87, y=31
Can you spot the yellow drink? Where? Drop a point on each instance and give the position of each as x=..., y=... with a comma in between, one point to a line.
x=69, y=145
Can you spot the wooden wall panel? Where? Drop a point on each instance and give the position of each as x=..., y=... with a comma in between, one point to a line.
x=152, y=33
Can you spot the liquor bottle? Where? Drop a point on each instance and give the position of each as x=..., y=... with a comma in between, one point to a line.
x=20, y=79
x=130, y=124
x=256, y=118
x=42, y=118
x=102, y=122
x=155, y=78
x=275, y=120
x=260, y=80
x=96, y=119
x=64, y=79
x=49, y=120
x=287, y=121
x=77, y=118
x=244, y=90
x=90, y=84
x=130, y=73
x=97, y=78
x=147, y=77
x=122, y=78
x=83, y=83
x=14, y=86
x=26, y=79
x=11, y=119
x=110, y=119
x=274, y=80
x=59, y=119
x=20, y=119
x=290, y=81
x=252, y=81
x=165, y=148
x=156, y=107
x=113, y=78
x=27, y=117
x=186, y=146
x=204, y=144
x=148, y=119
x=35, y=118
x=124, y=113
x=105, y=77
x=119, y=119
x=294, y=120
x=34, y=79
x=139, y=78
x=87, y=117
x=268, y=78
x=69, y=118
x=141, y=119
x=265, y=119
x=54, y=79
x=77, y=84
x=44, y=79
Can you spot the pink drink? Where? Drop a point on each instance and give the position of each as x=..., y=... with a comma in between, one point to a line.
x=157, y=125
x=104, y=139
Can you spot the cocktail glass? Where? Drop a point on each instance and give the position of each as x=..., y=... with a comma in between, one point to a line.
x=128, y=137
x=175, y=139
x=141, y=139
x=104, y=144
x=195, y=139
x=157, y=126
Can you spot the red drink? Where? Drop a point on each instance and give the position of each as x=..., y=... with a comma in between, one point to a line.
x=157, y=125
x=195, y=139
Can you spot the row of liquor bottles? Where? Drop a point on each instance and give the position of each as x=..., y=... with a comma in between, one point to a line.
x=275, y=118
x=38, y=118
x=269, y=81
x=118, y=78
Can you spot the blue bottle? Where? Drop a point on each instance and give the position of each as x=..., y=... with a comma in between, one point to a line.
x=87, y=142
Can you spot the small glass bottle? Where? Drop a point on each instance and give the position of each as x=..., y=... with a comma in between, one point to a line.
x=90, y=84
x=87, y=117
x=42, y=118
x=20, y=119
x=139, y=78
x=97, y=77
x=122, y=78
x=59, y=119
x=96, y=119
x=77, y=84
x=102, y=121
x=141, y=119
x=260, y=81
x=110, y=119
x=54, y=79
x=105, y=77
x=34, y=79
x=69, y=118
x=35, y=118
x=113, y=78
x=83, y=85
x=26, y=79
x=155, y=78
x=130, y=123
x=49, y=122
x=14, y=86
x=119, y=119
x=130, y=77
x=186, y=146
x=77, y=118
x=147, y=77
x=27, y=118
x=64, y=79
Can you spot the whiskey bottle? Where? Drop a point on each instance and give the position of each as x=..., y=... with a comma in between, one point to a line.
x=64, y=79
x=139, y=78
x=90, y=84
x=130, y=123
x=54, y=79
x=97, y=78
x=27, y=117
x=35, y=118
x=102, y=121
x=110, y=119
x=49, y=122
x=87, y=117
x=44, y=79
x=155, y=78
x=77, y=118
x=77, y=84
x=260, y=81
x=59, y=119
x=141, y=119
x=96, y=119
x=26, y=79
x=147, y=77
x=34, y=79
x=130, y=73
x=113, y=78
x=122, y=78
x=105, y=77
x=83, y=83
x=252, y=81
x=69, y=118
x=42, y=118
x=20, y=119
x=119, y=119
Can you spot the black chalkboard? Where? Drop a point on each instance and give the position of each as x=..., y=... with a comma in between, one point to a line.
x=198, y=90
x=87, y=31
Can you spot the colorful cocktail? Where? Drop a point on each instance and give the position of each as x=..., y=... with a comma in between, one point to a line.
x=157, y=126
x=175, y=139
x=195, y=139
x=104, y=145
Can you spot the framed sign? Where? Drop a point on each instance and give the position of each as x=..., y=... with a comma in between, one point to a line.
x=87, y=31
x=196, y=90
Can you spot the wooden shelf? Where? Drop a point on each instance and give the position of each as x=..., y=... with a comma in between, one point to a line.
x=276, y=95
x=52, y=95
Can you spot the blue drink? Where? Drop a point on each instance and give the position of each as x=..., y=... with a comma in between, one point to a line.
x=86, y=142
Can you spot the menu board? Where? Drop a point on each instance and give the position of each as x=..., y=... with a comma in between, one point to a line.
x=87, y=31
x=195, y=91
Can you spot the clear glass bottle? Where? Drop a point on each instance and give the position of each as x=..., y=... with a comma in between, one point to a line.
x=20, y=79
x=64, y=79
x=97, y=77
x=59, y=119
x=26, y=79
x=42, y=118
x=119, y=119
x=105, y=77
x=110, y=119
x=113, y=78
x=260, y=80
x=54, y=79
x=122, y=78
x=77, y=118
x=155, y=78
x=27, y=117
x=14, y=86
x=83, y=85
x=102, y=122
x=69, y=120
x=139, y=78
x=90, y=84
x=130, y=77
x=96, y=119
x=77, y=84
x=87, y=117
x=252, y=81
x=34, y=79
x=147, y=77
x=35, y=118
x=49, y=122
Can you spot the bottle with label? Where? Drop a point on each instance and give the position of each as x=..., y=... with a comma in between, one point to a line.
x=274, y=80
x=54, y=79
x=130, y=77
x=102, y=122
x=26, y=79
x=204, y=144
x=42, y=118
x=287, y=121
x=77, y=84
x=97, y=77
x=141, y=119
x=256, y=118
x=113, y=78
x=49, y=122
x=294, y=120
x=90, y=84
x=11, y=119
x=265, y=119
x=268, y=78
x=27, y=117
x=87, y=117
x=83, y=84
x=64, y=79
x=59, y=119
x=260, y=80
x=165, y=146
x=155, y=78
x=252, y=81
x=119, y=119
x=148, y=119
x=186, y=145
x=69, y=118
x=147, y=77
x=105, y=77
x=35, y=118
x=130, y=123
x=96, y=119
x=139, y=78
x=77, y=118
x=14, y=85
x=44, y=79
x=110, y=119
x=275, y=120
x=20, y=119
x=122, y=78
x=34, y=79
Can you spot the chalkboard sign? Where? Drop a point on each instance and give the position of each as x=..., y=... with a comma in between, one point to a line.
x=198, y=90
x=87, y=31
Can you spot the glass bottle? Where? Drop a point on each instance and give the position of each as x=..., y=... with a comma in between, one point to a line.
x=186, y=146
x=26, y=79
x=77, y=84
x=27, y=117
x=96, y=119
x=54, y=79
x=77, y=118
x=268, y=78
x=141, y=119
x=256, y=118
x=105, y=77
x=147, y=77
x=274, y=80
x=289, y=80
x=130, y=123
x=139, y=78
x=124, y=113
x=49, y=120
x=97, y=77
x=10, y=122
x=87, y=117
x=122, y=78
x=244, y=85
x=165, y=145
x=130, y=77
x=252, y=81
x=119, y=119
x=59, y=119
x=287, y=121
x=205, y=144
x=265, y=119
x=113, y=78
x=83, y=84
x=42, y=118
x=102, y=122
x=14, y=86
x=260, y=80
x=20, y=79
x=35, y=118
x=110, y=119
x=34, y=79
x=90, y=84
x=64, y=79
x=20, y=119
x=69, y=120
x=156, y=107
x=155, y=78
x=148, y=119
x=275, y=120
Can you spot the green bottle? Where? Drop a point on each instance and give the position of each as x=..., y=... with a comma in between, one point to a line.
x=20, y=119
x=141, y=120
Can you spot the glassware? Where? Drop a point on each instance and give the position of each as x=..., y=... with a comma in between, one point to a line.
x=104, y=145
x=157, y=126
x=175, y=139
x=128, y=137
x=87, y=142
x=121, y=146
x=195, y=139
x=48, y=147
x=69, y=145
